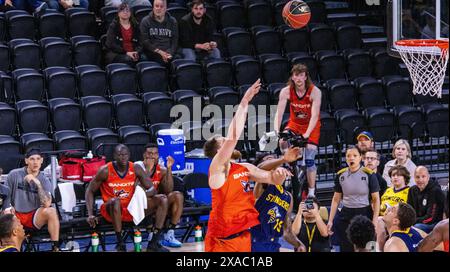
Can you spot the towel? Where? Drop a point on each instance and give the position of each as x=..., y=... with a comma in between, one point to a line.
x=68, y=197
x=137, y=205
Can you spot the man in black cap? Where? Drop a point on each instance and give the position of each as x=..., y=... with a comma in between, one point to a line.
x=365, y=143
x=30, y=197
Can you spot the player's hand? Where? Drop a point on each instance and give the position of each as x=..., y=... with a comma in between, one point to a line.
x=292, y=154
x=330, y=227
x=9, y=210
x=170, y=162
x=9, y=3
x=301, y=207
x=251, y=91
x=92, y=221
x=279, y=175
x=301, y=248
x=30, y=178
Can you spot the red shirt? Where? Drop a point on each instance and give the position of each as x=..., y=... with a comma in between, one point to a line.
x=116, y=186
x=127, y=36
x=300, y=114
x=233, y=205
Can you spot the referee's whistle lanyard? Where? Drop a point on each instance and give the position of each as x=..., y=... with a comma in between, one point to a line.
x=310, y=234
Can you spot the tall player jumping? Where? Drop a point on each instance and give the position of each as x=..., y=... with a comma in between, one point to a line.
x=233, y=204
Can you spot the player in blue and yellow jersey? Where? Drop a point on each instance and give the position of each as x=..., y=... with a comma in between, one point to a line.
x=12, y=233
x=274, y=205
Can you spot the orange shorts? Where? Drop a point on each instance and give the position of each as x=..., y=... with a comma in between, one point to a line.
x=126, y=216
x=241, y=243
x=27, y=219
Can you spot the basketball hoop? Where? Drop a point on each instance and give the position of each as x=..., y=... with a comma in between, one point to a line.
x=426, y=61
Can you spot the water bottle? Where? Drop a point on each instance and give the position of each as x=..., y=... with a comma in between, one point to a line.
x=94, y=242
x=198, y=234
x=137, y=241
x=89, y=155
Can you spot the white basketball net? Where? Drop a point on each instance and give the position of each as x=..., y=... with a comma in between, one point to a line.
x=426, y=65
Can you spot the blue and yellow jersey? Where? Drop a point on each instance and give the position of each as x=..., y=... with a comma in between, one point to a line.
x=410, y=237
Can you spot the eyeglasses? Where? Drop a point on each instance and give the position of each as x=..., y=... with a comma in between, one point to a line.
x=125, y=10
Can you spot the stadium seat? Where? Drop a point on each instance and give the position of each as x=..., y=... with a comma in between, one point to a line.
x=295, y=40
x=318, y=11
x=262, y=98
x=20, y=24
x=152, y=77
x=55, y=52
x=97, y=112
x=321, y=37
x=277, y=10
x=4, y=58
x=193, y=133
x=274, y=90
x=383, y=63
x=135, y=137
x=398, y=90
x=33, y=116
x=348, y=36
x=3, y=27
x=52, y=24
x=331, y=65
x=60, y=82
x=187, y=75
x=107, y=13
x=81, y=22
x=306, y=59
x=246, y=69
x=69, y=140
x=232, y=15
x=6, y=83
x=85, y=50
x=28, y=84
x=91, y=80
x=65, y=114
x=218, y=73
x=328, y=129
x=10, y=156
x=100, y=140
x=370, y=92
x=350, y=122
x=381, y=123
x=157, y=107
x=358, y=63
x=177, y=12
x=259, y=14
x=222, y=96
x=266, y=40
x=36, y=140
x=436, y=118
x=185, y=97
x=238, y=41
x=341, y=94
x=141, y=11
x=274, y=68
x=122, y=79
x=8, y=119
x=127, y=109
x=425, y=99
x=24, y=54
x=410, y=122
x=154, y=128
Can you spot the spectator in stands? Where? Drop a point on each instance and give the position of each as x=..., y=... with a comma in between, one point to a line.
x=4, y=192
x=354, y=185
x=371, y=159
x=397, y=193
x=123, y=174
x=361, y=232
x=403, y=237
x=122, y=38
x=310, y=228
x=159, y=34
x=427, y=199
x=274, y=204
x=12, y=233
x=196, y=33
x=162, y=180
x=36, y=6
x=131, y=3
x=364, y=141
x=438, y=237
x=62, y=5
x=402, y=156
x=30, y=197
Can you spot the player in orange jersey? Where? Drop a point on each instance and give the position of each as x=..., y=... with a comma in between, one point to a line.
x=233, y=204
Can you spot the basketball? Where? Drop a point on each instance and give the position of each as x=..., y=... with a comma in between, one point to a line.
x=296, y=14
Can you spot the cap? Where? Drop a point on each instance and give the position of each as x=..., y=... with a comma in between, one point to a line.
x=33, y=151
x=366, y=134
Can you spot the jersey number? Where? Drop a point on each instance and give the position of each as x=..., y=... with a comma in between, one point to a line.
x=278, y=225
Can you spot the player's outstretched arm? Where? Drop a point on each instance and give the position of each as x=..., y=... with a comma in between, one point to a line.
x=275, y=177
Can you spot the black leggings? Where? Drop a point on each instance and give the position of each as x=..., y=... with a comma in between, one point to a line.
x=342, y=221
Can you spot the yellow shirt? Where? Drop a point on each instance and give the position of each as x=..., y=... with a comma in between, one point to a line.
x=392, y=198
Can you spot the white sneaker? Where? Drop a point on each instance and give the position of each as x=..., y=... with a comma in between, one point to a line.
x=170, y=240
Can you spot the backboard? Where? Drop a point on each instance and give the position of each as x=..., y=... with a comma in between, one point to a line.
x=416, y=19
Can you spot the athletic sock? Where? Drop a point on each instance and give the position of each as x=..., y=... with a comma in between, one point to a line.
x=172, y=226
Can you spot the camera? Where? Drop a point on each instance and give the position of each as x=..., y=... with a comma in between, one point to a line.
x=293, y=139
x=309, y=204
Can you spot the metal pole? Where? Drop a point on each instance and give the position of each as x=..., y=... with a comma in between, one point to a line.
x=53, y=171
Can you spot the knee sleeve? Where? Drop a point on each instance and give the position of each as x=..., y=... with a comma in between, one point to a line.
x=310, y=155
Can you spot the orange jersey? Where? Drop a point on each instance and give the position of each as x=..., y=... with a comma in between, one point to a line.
x=233, y=205
x=116, y=186
x=300, y=114
x=156, y=177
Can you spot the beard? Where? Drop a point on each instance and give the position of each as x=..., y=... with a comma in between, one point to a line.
x=236, y=155
x=197, y=18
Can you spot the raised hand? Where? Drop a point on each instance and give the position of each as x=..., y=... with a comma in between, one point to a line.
x=292, y=154
x=279, y=175
x=251, y=91
x=170, y=162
